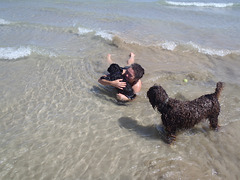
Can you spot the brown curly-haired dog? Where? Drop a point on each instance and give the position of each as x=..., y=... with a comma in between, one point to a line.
x=185, y=114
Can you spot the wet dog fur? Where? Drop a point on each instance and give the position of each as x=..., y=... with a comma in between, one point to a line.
x=176, y=114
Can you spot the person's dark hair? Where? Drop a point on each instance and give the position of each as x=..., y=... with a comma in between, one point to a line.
x=138, y=71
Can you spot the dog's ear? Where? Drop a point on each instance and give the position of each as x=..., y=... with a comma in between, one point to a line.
x=114, y=68
x=151, y=94
x=157, y=96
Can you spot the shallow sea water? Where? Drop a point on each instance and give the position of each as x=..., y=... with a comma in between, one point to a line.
x=57, y=122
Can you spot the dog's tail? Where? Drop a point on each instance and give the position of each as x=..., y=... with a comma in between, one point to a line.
x=219, y=89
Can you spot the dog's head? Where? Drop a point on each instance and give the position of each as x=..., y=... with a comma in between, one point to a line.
x=115, y=72
x=157, y=96
x=114, y=68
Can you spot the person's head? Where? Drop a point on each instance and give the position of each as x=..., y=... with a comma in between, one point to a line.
x=134, y=73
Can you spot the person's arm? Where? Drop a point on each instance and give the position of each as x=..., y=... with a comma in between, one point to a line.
x=137, y=87
x=117, y=83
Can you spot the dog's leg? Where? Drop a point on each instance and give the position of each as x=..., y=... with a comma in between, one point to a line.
x=171, y=134
x=214, y=122
x=172, y=139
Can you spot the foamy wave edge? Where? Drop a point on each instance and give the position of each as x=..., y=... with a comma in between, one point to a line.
x=171, y=46
x=12, y=53
x=209, y=51
x=4, y=22
x=166, y=45
x=101, y=33
x=200, y=4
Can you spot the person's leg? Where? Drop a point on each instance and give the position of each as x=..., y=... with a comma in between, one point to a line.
x=109, y=59
x=131, y=59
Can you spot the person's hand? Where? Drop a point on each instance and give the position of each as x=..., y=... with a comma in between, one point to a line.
x=119, y=84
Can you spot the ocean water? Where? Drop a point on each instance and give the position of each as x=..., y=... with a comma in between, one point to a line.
x=58, y=122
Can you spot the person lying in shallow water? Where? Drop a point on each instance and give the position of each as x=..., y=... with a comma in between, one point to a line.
x=132, y=74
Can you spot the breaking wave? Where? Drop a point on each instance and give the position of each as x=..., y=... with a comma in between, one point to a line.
x=4, y=22
x=13, y=53
x=195, y=47
x=103, y=34
x=201, y=4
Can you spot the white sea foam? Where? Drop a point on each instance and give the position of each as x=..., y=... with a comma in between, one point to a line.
x=210, y=51
x=82, y=31
x=12, y=53
x=105, y=35
x=4, y=22
x=200, y=4
x=169, y=45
